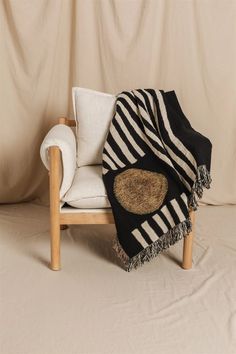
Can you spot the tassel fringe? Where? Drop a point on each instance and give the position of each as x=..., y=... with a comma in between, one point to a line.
x=164, y=242
x=203, y=180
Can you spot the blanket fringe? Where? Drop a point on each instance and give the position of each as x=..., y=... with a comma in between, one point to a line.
x=164, y=242
x=203, y=180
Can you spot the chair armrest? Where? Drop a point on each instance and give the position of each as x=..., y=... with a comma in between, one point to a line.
x=63, y=137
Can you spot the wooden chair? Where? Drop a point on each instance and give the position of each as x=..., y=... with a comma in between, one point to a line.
x=61, y=217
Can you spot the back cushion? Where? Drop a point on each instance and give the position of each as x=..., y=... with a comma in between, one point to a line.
x=93, y=112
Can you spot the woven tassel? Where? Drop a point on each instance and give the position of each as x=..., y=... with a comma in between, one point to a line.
x=203, y=180
x=164, y=242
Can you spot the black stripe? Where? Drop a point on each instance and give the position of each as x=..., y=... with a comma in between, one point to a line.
x=183, y=207
x=149, y=109
x=128, y=123
x=154, y=128
x=165, y=219
x=153, y=142
x=131, y=96
x=155, y=227
x=132, y=113
x=107, y=153
x=164, y=131
x=117, y=149
x=180, y=125
x=156, y=132
x=176, y=165
x=137, y=102
x=144, y=120
x=145, y=124
x=123, y=136
x=158, y=147
x=106, y=166
x=173, y=213
x=145, y=235
x=182, y=172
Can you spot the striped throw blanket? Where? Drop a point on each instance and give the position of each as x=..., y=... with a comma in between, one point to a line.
x=155, y=166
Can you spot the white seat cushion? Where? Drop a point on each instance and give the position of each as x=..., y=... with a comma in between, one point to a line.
x=93, y=113
x=87, y=190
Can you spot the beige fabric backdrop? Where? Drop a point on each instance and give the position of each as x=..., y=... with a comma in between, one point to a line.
x=47, y=46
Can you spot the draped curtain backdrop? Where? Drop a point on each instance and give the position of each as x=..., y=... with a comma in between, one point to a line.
x=48, y=46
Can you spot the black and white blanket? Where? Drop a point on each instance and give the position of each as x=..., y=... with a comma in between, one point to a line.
x=155, y=166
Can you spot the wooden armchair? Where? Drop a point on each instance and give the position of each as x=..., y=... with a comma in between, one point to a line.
x=62, y=216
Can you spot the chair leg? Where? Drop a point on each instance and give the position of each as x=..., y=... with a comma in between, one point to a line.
x=188, y=245
x=55, y=245
x=54, y=178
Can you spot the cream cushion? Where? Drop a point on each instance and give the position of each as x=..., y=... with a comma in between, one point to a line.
x=62, y=136
x=87, y=189
x=93, y=112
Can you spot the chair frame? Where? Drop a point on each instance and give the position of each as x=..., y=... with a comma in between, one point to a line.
x=60, y=220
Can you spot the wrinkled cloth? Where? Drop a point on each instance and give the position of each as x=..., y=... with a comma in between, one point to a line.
x=48, y=46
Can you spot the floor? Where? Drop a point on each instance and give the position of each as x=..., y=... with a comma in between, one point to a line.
x=92, y=306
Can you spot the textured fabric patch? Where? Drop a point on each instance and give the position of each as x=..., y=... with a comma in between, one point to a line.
x=140, y=191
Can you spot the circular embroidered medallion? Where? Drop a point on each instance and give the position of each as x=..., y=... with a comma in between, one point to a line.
x=140, y=191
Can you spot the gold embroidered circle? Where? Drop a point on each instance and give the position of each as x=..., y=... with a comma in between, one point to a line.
x=140, y=191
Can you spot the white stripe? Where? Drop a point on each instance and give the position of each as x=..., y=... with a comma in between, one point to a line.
x=150, y=100
x=143, y=136
x=144, y=112
x=178, y=210
x=168, y=215
x=168, y=161
x=173, y=155
x=109, y=161
x=180, y=146
x=163, y=157
x=128, y=135
x=149, y=230
x=160, y=223
x=140, y=238
x=104, y=171
x=181, y=163
x=185, y=199
x=154, y=137
x=122, y=144
x=145, y=115
x=113, y=155
x=133, y=124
